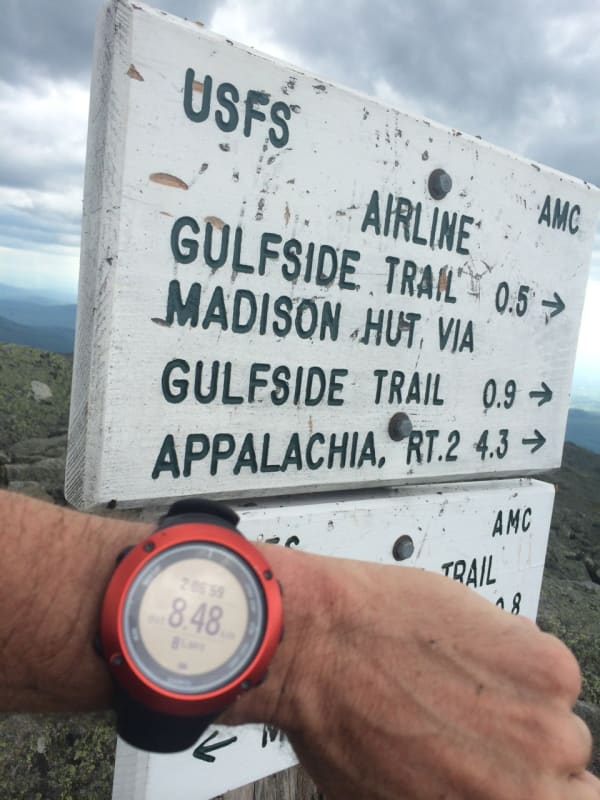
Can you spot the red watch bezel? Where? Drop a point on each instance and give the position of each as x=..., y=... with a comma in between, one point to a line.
x=114, y=648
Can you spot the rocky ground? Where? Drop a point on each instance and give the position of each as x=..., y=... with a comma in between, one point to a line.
x=570, y=602
x=52, y=758
x=34, y=393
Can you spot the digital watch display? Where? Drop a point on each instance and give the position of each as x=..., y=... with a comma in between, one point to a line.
x=191, y=618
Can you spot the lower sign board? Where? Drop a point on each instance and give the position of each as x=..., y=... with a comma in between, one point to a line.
x=287, y=287
x=489, y=535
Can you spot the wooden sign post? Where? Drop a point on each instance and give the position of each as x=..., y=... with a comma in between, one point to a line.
x=289, y=288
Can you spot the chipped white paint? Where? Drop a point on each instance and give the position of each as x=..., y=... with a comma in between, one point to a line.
x=452, y=528
x=435, y=326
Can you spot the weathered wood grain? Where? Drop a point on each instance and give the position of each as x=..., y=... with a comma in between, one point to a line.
x=293, y=784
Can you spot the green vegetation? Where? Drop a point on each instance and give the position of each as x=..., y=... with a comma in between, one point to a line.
x=21, y=415
x=55, y=757
x=571, y=610
x=583, y=429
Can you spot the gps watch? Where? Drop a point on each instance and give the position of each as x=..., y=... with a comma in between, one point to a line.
x=190, y=620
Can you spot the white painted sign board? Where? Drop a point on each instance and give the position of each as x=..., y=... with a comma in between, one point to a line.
x=274, y=268
x=491, y=535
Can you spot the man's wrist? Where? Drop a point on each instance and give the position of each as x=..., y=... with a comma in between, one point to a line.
x=60, y=618
x=311, y=604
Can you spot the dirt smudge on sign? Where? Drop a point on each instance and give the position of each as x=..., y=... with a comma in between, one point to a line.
x=216, y=222
x=443, y=280
x=166, y=179
x=133, y=73
x=289, y=85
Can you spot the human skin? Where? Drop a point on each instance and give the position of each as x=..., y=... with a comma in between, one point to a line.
x=391, y=682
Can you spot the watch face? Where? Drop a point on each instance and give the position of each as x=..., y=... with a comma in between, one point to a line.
x=194, y=618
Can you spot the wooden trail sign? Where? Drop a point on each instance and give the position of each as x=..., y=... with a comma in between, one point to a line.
x=490, y=535
x=288, y=287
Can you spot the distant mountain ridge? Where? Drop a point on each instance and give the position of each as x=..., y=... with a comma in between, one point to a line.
x=44, y=297
x=37, y=320
x=583, y=429
x=587, y=400
x=27, y=313
x=52, y=339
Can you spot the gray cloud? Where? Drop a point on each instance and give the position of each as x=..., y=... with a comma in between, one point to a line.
x=523, y=75
x=45, y=63
x=26, y=229
x=22, y=175
x=46, y=38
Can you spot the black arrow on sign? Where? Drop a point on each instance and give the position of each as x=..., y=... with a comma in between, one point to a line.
x=545, y=395
x=538, y=442
x=556, y=305
x=204, y=750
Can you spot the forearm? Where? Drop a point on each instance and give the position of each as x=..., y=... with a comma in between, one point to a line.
x=376, y=661
x=55, y=566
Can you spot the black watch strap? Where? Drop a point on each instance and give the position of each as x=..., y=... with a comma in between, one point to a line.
x=151, y=730
x=198, y=509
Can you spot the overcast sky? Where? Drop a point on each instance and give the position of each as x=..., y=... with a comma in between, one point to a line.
x=523, y=74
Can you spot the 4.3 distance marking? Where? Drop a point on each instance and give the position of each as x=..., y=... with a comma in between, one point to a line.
x=427, y=446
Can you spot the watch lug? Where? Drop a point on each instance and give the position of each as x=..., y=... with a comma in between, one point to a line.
x=123, y=553
x=199, y=505
x=98, y=645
